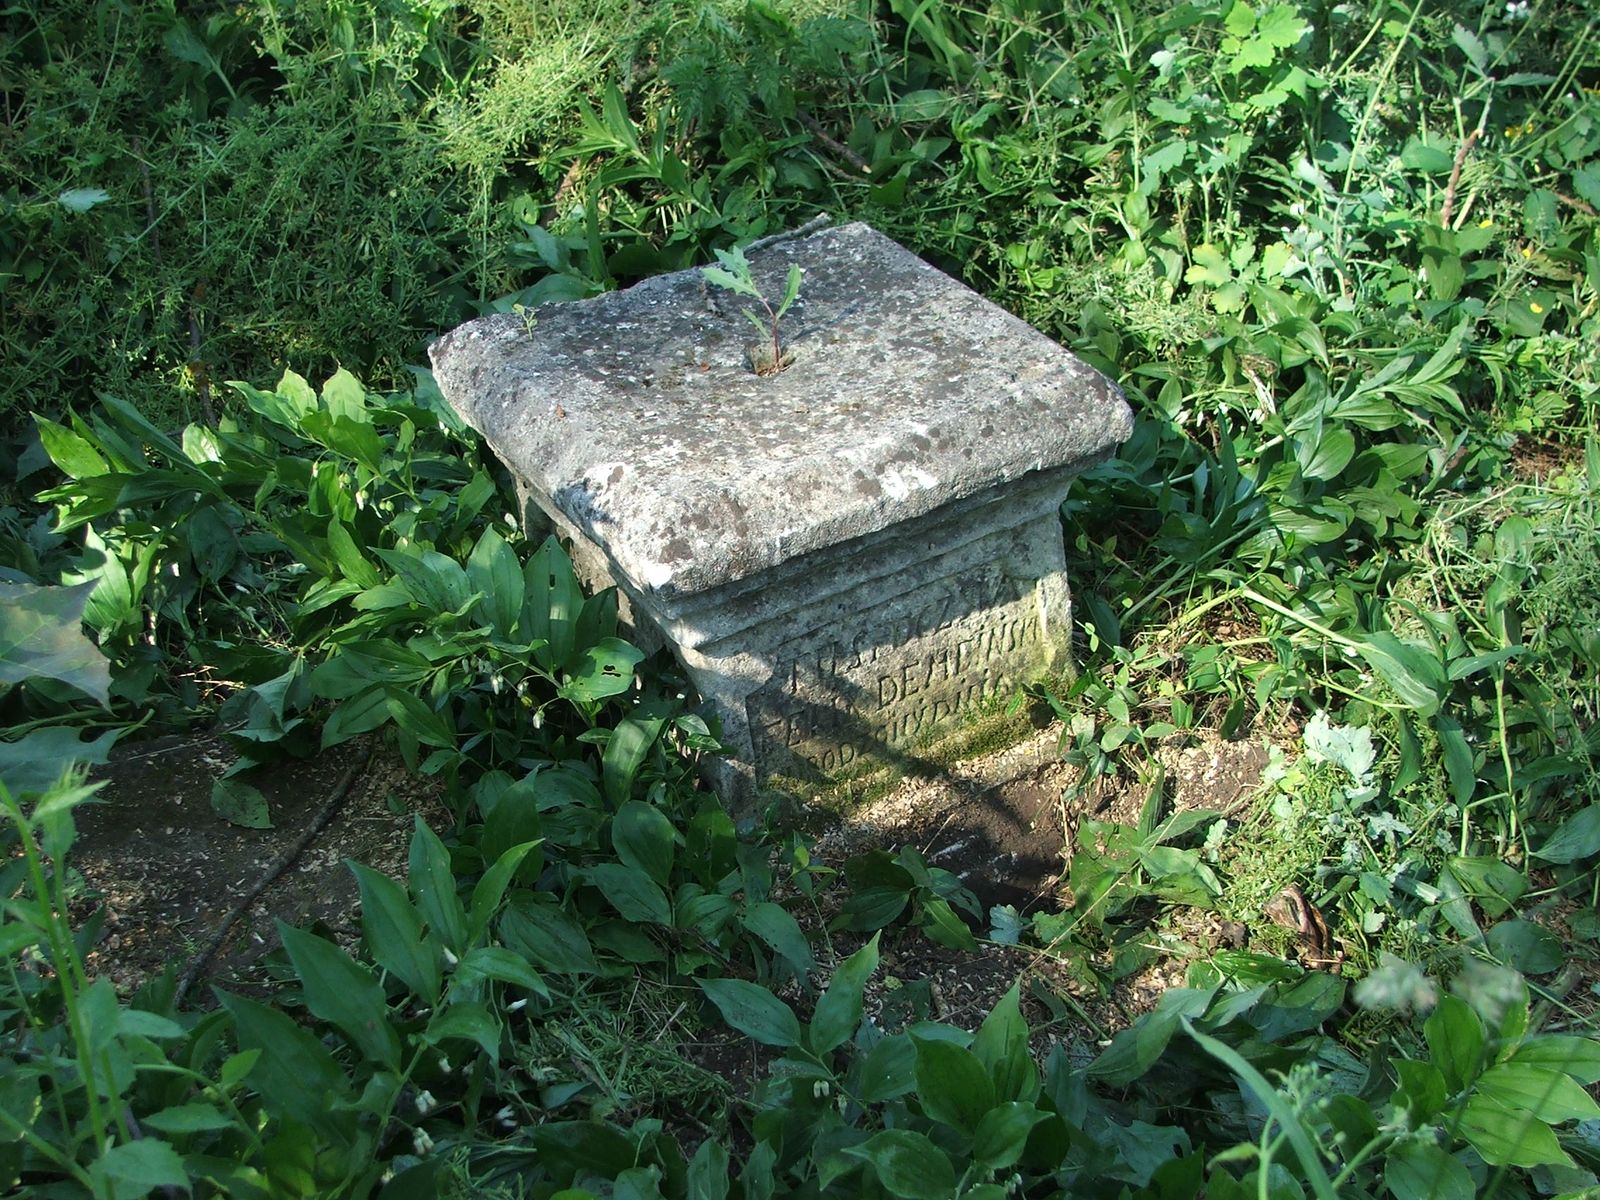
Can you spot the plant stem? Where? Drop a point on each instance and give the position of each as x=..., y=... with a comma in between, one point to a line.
x=68, y=970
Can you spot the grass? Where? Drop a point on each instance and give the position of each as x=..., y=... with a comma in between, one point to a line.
x=1346, y=263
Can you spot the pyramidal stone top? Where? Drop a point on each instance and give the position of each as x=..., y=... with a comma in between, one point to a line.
x=638, y=417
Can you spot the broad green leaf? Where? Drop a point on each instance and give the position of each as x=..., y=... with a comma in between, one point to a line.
x=777, y=927
x=631, y=892
x=240, y=803
x=1472, y=47
x=1134, y=1051
x=1509, y=1138
x=1003, y=1132
x=413, y=715
x=1460, y=768
x=908, y=1165
x=497, y=963
x=754, y=1011
x=1586, y=182
x=70, y=451
x=187, y=1118
x=511, y=818
x=758, y=1180
x=1455, y=1041
x=1413, y=670
x=1282, y=27
x=1421, y=1091
x=293, y=1072
x=1001, y=1045
x=467, y=1021
x=644, y=1183
x=1494, y=884
x=567, y=1147
x=1577, y=837
x=360, y=665
x=356, y=566
x=274, y=406
x=707, y=1177
x=838, y=1010
x=1526, y=947
x=134, y=1169
x=736, y=278
x=236, y=1067
x=643, y=837
x=1429, y=157
x=1418, y=1170
x=1241, y=20
x=360, y=714
x=433, y=883
x=491, y=889
x=1276, y=259
x=1544, y=1093
x=343, y=992
x=1330, y=454
x=888, y=1071
x=351, y=439
x=791, y=288
x=35, y=762
x=41, y=634
x=952, y=1085
x=494, y=573
x=136, y=1022
x=602, y=670
x=1347, y=746
x=345, y=397
x=551, y=604
x=625, y=752
x=434, y=581
x=547, y=936
x=1578, y=1057
x=1445, y=272
x=940, y=922
x=1166, y=157
x=394, y=933
x=213, y=542
x=81, y=200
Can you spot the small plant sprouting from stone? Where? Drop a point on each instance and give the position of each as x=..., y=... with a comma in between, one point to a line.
x=735, y=275
x=530, y=318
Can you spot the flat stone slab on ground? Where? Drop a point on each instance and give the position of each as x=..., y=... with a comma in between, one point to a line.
x=849, y=556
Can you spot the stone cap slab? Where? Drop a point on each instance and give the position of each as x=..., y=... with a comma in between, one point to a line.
x=637, y=415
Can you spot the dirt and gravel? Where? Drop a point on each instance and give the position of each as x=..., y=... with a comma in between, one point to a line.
x=167, y=868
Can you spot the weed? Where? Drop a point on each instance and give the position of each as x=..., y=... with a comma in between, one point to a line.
x=734, y=274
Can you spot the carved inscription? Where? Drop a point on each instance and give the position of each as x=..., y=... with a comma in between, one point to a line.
x=890, y=686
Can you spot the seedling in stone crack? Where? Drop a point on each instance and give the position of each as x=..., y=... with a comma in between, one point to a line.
x=734, y=274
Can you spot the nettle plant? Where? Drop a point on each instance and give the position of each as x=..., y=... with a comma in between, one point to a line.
x=735, y=274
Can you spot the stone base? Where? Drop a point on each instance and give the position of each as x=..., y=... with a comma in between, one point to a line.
x=857, y=660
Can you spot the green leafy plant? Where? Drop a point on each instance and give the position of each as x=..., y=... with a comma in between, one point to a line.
x=1344, y=262
x=735, y=275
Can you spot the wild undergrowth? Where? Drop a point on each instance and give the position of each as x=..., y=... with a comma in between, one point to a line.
x=1345, y=261
x=519, y=1014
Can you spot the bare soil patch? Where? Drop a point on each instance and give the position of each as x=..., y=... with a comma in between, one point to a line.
x=1002, y=823
x=167, y=868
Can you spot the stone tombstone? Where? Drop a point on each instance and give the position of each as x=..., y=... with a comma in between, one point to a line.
x=850, y=557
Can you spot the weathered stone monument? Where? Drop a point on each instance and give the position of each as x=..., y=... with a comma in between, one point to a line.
x=851, y=557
